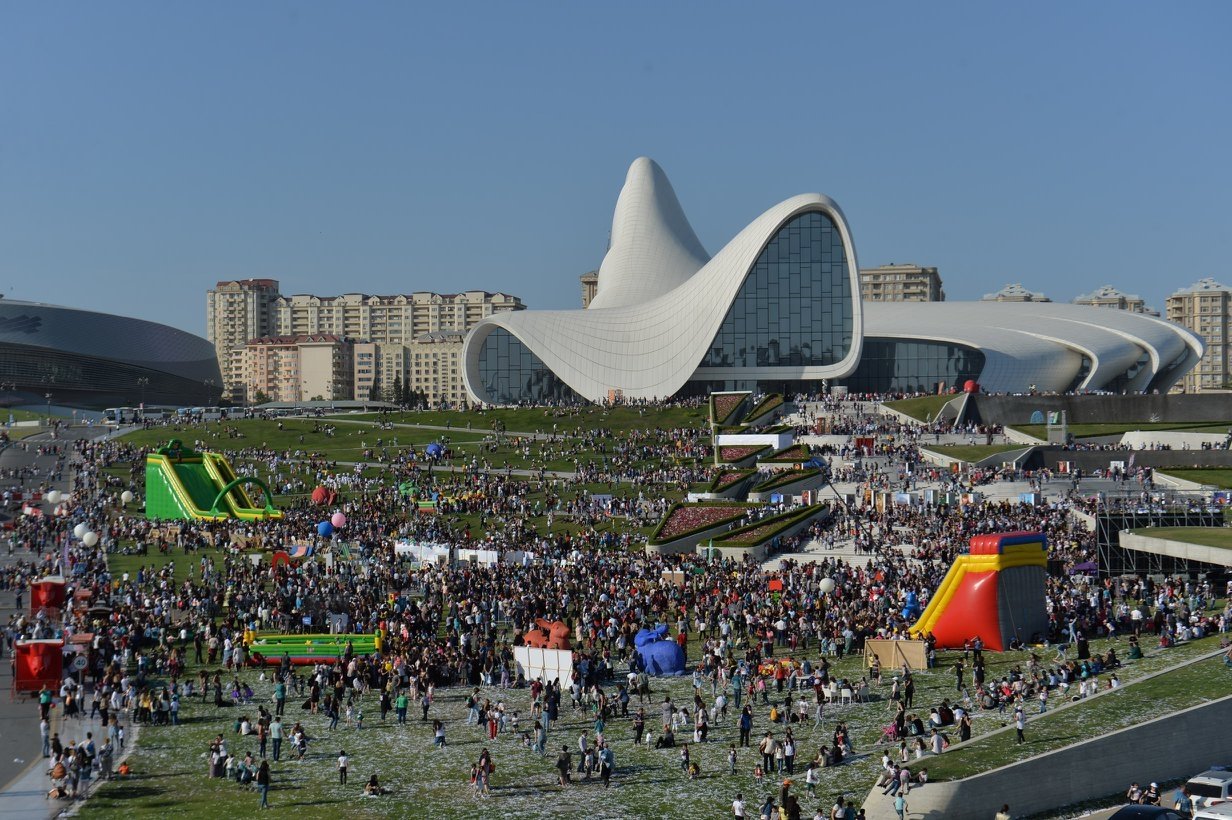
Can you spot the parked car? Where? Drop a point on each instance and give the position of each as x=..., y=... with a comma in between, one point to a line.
x=1209, y=788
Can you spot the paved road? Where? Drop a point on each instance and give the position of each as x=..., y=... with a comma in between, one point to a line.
x=19, y=735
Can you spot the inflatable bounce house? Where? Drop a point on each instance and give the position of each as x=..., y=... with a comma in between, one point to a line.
x=996, y=592
x=660, y=655
x=182, y=484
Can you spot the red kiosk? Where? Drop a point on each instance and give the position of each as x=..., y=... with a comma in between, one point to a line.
x=37, y=664
x=48, y=595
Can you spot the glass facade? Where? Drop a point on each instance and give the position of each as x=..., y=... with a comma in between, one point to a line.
x=509, y=374
x=795, y=306
x=911, y=366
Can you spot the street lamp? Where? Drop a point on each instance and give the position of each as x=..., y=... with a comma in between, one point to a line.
x=209, y=391
x=142, y=382
x=48, y=397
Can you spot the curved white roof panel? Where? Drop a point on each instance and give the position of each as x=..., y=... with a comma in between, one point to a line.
x=666, y=313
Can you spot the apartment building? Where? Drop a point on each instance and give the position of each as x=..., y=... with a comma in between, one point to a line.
x=901, y=283
x=1206, y=308
x=310, y=367
x=1106, y=296
x=383, y=327
x=1014, y=293
x=235, y=312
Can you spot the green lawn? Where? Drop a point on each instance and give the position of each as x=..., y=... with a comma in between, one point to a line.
x=1208, y=536
x=1188, y=686
x=1211, y=476
x=565, y=420
x=169, y=765
x=1089, y=430
x=973, y=452
x=922, y=408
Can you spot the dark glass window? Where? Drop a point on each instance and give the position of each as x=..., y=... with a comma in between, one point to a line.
x=795, y=306
x=912, y=366
x=509, y=373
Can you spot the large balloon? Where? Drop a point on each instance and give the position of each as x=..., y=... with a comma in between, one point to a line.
x=826, y=586
x=323, y=495
x=435, y=450
x=325, y=529
x=660, y=654
x=338, y=520
x=53, y=497
x=127, y=496
x=80, y=529
x=90, y=538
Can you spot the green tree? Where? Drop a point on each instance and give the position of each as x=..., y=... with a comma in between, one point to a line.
x=260, y=397
x=397, y=395
x=374, y=392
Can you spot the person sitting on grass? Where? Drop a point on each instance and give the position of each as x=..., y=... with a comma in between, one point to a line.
x=373, y=788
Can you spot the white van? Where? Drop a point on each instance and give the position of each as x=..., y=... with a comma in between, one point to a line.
x=1209, y=788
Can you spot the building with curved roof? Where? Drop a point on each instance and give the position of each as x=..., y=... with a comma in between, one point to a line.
x=779, y=308
x=87, y=359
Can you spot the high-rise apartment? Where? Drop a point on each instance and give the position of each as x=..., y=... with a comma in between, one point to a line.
x=311, y=367
x=236, y=311
x=901, y=283
x=590, y=286
x=1206, y=308
x=1014, y=293
x=1106, y=296
x=384, y=327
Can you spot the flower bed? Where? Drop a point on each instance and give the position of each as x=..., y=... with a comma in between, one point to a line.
x=793, y=454
x=732, y=453
x=784, y=478
x=767, y=405
x=729, y=477
x=683, y=520
x=761, y=531
x=724, y=405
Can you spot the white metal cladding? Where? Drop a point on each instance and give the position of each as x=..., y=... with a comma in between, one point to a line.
x=650, y=349
x=1043, y=343
x=661, y=300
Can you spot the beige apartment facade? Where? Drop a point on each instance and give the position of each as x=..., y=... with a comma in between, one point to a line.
x=1106, y=296
x=307, y=367
x=384, y=327
x=901, y=283
x=1206, y=308
x=235, y=312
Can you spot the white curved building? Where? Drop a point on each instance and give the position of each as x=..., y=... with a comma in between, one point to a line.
x=779, y=308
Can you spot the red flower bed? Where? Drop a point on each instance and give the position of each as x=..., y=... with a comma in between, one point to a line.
x=737, y=452
x=766, y=529
x=725, y=404
x=797, y=452
x=727, y=478
x=686, y=518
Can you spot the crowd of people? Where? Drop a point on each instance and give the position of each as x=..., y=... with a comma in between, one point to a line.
x=456, y=624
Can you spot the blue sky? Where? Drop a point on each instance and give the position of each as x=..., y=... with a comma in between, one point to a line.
x=148, y=150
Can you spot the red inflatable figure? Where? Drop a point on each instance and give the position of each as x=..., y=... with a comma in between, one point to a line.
x=547, y=635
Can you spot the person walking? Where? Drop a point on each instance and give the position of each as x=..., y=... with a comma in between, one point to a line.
x=1020, y=722
x=276, y=737
x=1004, y=814
x=343, y=762
x=263, y=783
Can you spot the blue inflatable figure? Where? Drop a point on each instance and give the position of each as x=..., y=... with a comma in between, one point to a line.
x=325, y=529
x=660, y=654
x=911, y=609
x=435, y=450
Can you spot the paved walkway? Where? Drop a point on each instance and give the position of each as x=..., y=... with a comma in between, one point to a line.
x=23, y=795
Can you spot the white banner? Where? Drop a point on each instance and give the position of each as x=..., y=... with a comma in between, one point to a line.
x=548, y=664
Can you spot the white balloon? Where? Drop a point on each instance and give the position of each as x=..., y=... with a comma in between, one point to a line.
x=80, y=529
x=90, y=539
x=826, y=585
x=53, y=497
x=127, y=496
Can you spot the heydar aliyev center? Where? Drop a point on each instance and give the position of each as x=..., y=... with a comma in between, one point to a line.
x=779, y=309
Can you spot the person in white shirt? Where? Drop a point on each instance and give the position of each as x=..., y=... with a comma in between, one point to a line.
x=738, y=806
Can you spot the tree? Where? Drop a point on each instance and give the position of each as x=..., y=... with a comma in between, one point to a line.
x=398, y=395
x=374, y=392
x=259, y=397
